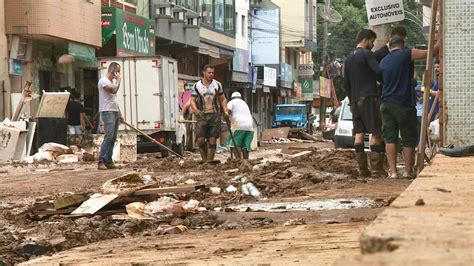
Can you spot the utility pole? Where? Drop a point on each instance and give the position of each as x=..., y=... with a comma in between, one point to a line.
x=322, y=100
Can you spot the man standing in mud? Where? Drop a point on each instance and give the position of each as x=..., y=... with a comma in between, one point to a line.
x=208, y=100
x=361, y=72
x=109, y=113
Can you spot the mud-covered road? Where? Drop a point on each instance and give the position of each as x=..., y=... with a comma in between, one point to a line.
x=326, y=179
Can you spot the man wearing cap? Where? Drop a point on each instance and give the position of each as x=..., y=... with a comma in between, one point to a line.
x=398, y=104
x=241, y=124
x=208, y=101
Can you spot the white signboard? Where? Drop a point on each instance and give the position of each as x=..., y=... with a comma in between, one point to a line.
x=384, y=11
x=305, y=70
x=265, y=36
x=53, y=104
x=269, y=76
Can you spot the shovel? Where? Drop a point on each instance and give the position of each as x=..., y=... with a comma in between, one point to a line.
x=152, y=139
x=238, y=154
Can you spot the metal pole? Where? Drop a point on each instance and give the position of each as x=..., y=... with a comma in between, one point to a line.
x=322, y=101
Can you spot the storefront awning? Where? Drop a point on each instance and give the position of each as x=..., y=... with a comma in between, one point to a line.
x=135, y=35
x=81, y=51
x=210, y=50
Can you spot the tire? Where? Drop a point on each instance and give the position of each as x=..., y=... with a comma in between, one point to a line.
x=179, y=148
x=165, y=153
x=336, y=143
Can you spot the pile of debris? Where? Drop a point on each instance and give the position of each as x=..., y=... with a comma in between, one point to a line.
x=54, y=152
x=133, y=195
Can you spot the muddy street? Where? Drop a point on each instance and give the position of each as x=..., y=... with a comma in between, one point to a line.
x=309, y=198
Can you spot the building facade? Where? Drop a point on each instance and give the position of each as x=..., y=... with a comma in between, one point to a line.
x=40, y=31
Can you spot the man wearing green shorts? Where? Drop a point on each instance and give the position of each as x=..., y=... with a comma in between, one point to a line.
x=241, y=124
x=398, y=104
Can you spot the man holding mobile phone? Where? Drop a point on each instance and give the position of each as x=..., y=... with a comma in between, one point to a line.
x=110, y=114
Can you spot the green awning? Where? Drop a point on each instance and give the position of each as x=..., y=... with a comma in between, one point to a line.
x=81, y=51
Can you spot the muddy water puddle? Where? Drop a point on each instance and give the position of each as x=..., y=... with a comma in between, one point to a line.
x=310, y=205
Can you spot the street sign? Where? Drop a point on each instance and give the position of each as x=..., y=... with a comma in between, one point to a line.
x=306, y=86
x=269, y=76
x=384, y=11
x=305, y=70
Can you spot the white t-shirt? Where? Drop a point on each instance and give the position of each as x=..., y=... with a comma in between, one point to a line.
x=107, y=101
x=241, y=118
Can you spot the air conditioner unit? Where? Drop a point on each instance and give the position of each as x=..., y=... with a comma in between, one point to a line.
x=21, y=48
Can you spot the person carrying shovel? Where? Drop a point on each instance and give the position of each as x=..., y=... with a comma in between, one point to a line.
x=208, y=100
x=241, y=125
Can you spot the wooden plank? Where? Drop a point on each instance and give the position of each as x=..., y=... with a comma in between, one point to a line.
x=298, y=148
x=442, y=102
x=54, y=212
x=275, y=133
x=94, y=203
x=25, y=93
x=308, y=136
x=300, y=154
x=163, y=190
x=69, y=200
x=427, y=83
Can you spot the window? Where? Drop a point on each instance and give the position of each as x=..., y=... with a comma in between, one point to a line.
x=229, y=16
x=207, y=12
x=128, y=2
x=191, y=5
x=219, y=14
x=243, y=26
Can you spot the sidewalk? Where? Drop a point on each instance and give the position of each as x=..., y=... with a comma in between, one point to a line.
x=440, y=232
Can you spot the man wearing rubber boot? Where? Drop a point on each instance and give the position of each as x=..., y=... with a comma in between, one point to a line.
x=361, y=72
x=242, y=125
x=209, y=100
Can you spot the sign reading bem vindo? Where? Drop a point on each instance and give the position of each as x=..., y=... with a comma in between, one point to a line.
x=135, y=35
x=384, y=11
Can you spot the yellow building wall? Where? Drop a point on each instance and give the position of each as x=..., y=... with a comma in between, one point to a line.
x=75, y=20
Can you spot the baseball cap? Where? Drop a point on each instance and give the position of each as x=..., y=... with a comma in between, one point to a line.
x=396, y=40
x=236, y=95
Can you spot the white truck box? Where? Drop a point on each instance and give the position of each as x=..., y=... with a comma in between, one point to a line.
x=148, y=98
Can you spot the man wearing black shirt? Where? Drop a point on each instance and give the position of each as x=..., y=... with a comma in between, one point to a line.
x=361, y=72
x=76, y=117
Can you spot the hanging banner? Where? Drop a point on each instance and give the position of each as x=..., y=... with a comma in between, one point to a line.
x=325, y=87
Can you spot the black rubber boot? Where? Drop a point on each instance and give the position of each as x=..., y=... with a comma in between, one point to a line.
x=361, y=158
x=377, y=160
x=245, y=154
x=203, y=152
x=211, y=152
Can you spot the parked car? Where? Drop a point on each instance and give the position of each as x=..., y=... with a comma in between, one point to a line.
x=344, y=134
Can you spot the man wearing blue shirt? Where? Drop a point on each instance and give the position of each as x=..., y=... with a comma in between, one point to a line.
x=398, y=104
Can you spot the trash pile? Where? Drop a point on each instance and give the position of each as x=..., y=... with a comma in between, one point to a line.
x=131, y=194
x=276, y=141
x=61, y=154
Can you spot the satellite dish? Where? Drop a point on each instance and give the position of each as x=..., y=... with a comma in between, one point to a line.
x=329, y=14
